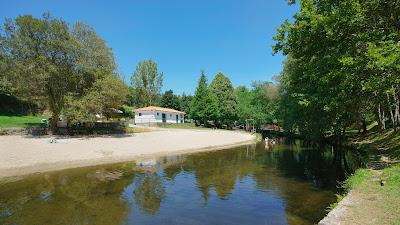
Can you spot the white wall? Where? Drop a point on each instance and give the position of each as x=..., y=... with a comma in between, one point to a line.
x=156, y=117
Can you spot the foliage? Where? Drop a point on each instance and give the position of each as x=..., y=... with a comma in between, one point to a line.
x=333, y=205
x=69, y=69
x=185, y=102
x=259, y=103
x=212, y=110
x=356, y=179
x=222, y=90
x=199, y=102
x=146, y=83
x=103, y=98
x=341, y=65
x=169, y=100
x=392, y=178
x=128, y=111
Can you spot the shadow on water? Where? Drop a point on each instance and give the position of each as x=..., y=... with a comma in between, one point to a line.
x=286, y=184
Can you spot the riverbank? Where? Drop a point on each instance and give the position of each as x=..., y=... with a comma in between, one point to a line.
x=373, y=194
x=22, y=155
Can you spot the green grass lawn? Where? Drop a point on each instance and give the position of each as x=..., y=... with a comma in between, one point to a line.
x=182, y=126
x=19, y=121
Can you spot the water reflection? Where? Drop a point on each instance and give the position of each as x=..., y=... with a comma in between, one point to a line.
x=149, y=192
x=246, y=185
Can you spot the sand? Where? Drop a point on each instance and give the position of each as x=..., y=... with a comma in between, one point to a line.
x=22, y=155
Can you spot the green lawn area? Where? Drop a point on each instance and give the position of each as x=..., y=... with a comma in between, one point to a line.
x=182, y=126
x=19, y=121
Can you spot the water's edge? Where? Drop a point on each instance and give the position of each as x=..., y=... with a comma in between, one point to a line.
x=9, y=173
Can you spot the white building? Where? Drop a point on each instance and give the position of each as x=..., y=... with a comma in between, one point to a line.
x=154, y=114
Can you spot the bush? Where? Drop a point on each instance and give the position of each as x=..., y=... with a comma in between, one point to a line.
x=128, y=111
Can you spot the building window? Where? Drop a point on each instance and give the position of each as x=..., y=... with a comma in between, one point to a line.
x=140, y=114
x=158, y=114
x=170, y=115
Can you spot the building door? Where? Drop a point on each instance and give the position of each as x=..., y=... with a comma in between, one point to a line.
x=177, y=118
x=164, y=118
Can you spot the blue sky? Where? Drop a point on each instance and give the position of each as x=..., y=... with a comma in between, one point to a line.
x=182, y=36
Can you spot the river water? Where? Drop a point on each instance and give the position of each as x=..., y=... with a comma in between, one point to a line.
x=286, y=184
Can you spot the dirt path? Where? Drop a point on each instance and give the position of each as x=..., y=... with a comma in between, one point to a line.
x=25, y=154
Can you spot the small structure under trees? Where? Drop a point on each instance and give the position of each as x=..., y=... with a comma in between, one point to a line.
x=153, y=115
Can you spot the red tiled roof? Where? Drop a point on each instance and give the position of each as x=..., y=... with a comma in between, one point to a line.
x=156, y=108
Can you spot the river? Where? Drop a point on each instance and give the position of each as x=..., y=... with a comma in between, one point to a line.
x=285, y=184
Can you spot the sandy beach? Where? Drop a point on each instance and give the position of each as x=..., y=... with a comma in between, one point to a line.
x=20, y=155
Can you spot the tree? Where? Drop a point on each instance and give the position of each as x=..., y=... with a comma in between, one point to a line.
x=212, y=110
x=341, y=56
x=199, y=102
x=169, y=100
x=185, y=102
x=147, y=83
x=244, y=107
x=106, y=95
x=259, y=103
x=71, y=70
x=42, y=53
x=223, y=90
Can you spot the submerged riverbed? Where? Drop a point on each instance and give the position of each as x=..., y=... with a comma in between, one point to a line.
x=251, y=184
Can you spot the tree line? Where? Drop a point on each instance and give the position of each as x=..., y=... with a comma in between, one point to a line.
x=70, y=71
x=224, y=105
x=216, y=104
x=343, y=67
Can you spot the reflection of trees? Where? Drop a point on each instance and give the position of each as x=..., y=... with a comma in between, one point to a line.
x=172, y=170
x=80, y=197
x=290, y=174
x=149, y=192
x=93, y=196
x=220, y=169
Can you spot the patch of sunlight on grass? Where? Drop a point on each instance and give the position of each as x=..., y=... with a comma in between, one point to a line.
x=19, y=121
x=392, y=178
x=357, y=178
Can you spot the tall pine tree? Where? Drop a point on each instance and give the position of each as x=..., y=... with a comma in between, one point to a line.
x=199, y=102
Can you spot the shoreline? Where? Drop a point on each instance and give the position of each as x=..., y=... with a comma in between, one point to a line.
x=370, y=192
x=29, y=155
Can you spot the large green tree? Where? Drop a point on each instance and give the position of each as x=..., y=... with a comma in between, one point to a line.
x=53, y=63
x=104, y=97
x=42, y=54
x=258, y=103
x=341, y=64
x=146, y=83
x=170, y=100
x=199, y=101
x=223, y=90
x=185, y=102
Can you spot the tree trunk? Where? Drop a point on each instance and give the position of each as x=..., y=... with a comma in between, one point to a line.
x=397, y=107
x=54, y=121
x=390, y=111
x=381, y=118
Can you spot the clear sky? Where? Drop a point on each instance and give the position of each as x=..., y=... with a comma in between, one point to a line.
x=182, y=36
